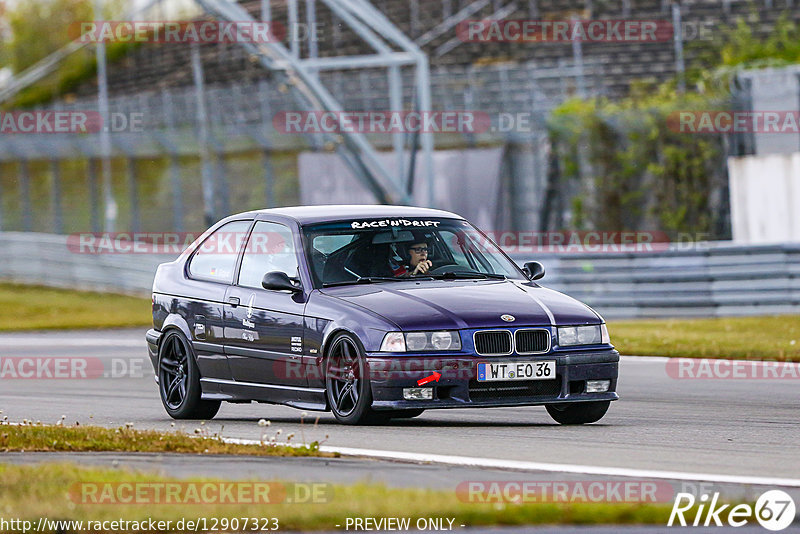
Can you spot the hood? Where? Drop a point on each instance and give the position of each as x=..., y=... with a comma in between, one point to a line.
x=463, y=304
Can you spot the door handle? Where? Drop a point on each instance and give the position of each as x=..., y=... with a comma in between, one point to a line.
x=233, y=301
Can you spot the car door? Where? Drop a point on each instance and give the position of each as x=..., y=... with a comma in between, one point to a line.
x=264, y=328
x=211, y=270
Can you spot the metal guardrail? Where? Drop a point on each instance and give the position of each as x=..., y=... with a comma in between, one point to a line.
x=46, y=259
x=711, y=279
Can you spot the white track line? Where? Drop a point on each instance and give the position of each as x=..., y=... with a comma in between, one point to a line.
x=644, y=359
x=515, y=465
x=11, y=342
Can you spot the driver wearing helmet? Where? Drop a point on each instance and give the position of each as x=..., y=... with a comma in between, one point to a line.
x=414, y=256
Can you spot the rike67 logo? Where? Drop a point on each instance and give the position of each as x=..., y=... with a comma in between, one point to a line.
x=774, y=510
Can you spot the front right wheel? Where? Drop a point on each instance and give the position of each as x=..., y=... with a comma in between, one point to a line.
x=579, y=413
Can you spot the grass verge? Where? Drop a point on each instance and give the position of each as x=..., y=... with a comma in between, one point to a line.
x=59, y=491
x=746, y=338
x=79, y=438
x=24, y=307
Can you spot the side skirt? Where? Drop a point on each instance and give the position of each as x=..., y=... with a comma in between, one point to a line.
x=235, y=391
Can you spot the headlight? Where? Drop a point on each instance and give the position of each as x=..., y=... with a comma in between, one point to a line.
x=393, y=342
x=581, y=335
x=445, y=340
x=421, y=341
x=416, y=341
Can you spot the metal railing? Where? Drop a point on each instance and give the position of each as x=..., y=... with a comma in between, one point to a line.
x=705, y=280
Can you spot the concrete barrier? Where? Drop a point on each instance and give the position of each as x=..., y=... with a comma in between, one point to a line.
x=45, y=259
x=711, y=279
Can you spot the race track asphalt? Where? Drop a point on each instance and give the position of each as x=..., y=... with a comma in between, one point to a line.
x=720, y=427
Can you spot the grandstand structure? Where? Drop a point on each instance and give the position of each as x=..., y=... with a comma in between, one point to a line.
x=240, y=93
x=612, y=67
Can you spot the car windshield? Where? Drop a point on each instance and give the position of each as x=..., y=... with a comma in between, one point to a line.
x=383, y=250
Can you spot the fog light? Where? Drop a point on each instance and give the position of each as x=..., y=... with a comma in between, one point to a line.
x=597, y=386
x=420, y=393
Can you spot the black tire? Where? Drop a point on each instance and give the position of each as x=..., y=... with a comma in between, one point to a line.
x=347, y=384
x=179, y=380
x=579, y=413
x=405, y=414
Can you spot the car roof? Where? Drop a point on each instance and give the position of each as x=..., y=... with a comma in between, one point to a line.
x=328, y=213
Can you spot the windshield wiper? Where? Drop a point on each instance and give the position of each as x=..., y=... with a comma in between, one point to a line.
x=371, y=279
x=453, y=275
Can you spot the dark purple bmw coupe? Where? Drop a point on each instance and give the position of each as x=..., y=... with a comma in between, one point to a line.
x=371, y=312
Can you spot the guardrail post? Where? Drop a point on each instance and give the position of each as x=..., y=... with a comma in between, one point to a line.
x=25, y=195
x=94, y=214
x=133, y=195
x=105, y=139
x=177, y=198
x=55, y=197
x=680, y=67
x=223, y=193
x=206, y=174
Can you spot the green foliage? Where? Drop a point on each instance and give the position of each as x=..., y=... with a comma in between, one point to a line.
x=40, y=27
x=36, y=29
x=742, y=48
x=632, y=170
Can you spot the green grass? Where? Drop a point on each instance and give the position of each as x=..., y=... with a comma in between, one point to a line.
x=750, y=338
x=53, y=491
x=31, y=437
x=24, y=307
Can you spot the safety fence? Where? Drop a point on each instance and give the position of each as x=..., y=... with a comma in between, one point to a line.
x=695, y=280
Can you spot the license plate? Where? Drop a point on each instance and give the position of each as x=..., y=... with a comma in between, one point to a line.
x=492, y=371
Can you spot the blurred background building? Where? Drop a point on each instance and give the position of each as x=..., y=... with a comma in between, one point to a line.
x=540, y=176
x=581, y=136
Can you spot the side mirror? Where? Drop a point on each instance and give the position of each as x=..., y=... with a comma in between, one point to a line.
x=534, y=270
x=279, y=281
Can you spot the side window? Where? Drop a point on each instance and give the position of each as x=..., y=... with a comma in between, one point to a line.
x=215, y=258
x=331, y=243
x=454, y=244
x=270, y=248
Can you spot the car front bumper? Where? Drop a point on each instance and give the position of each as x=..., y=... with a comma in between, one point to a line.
x=458, y=387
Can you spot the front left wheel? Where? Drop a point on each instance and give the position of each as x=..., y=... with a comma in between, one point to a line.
x=179, y=380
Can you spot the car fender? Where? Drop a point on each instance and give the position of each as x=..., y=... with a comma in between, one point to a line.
x=174, y=320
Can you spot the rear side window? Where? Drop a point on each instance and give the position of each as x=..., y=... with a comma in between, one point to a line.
x=215, y=258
